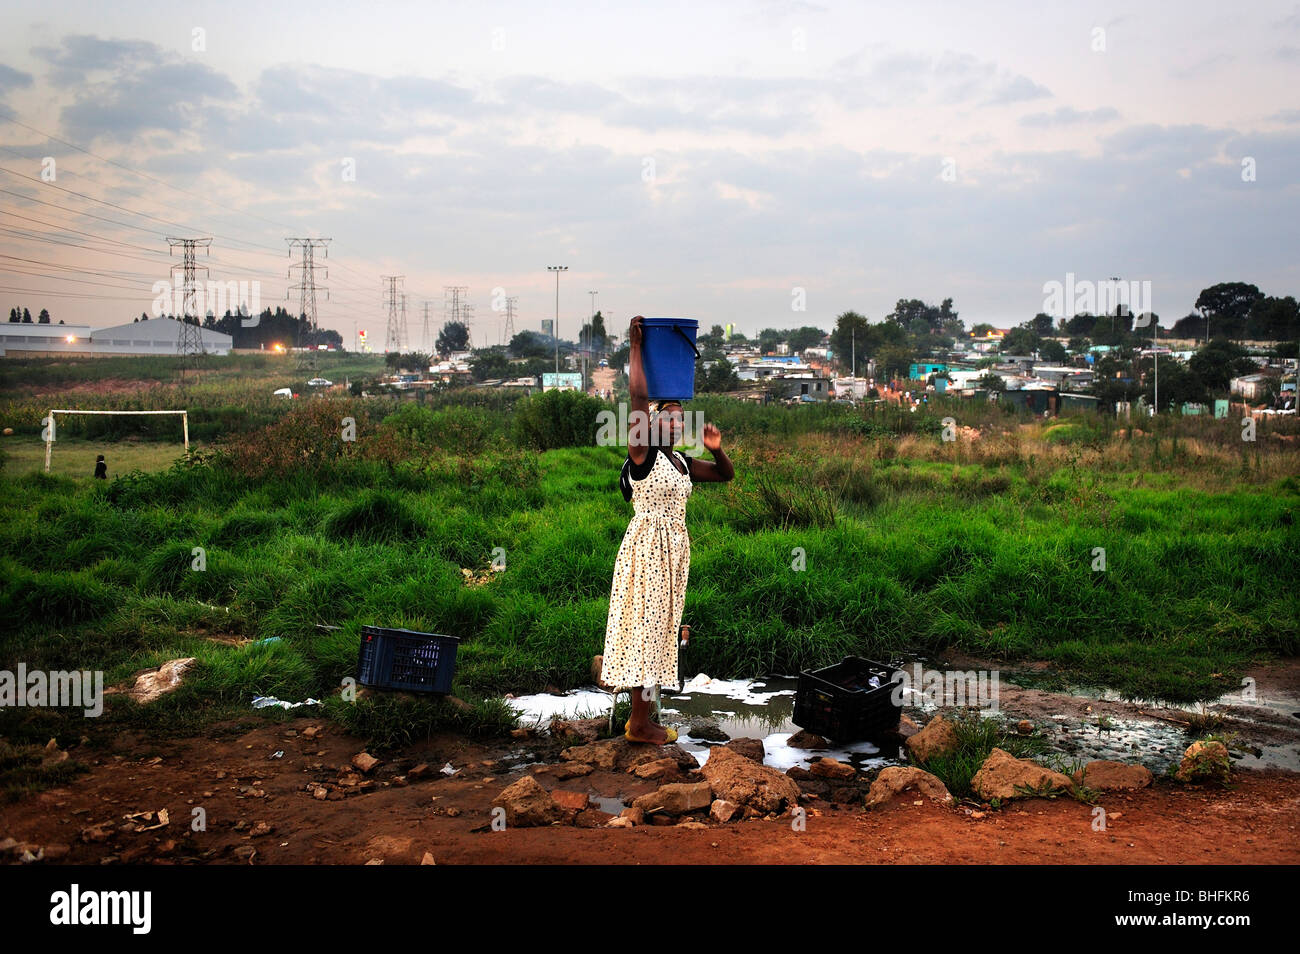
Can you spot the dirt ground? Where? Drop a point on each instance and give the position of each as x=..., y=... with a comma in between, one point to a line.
x=242, y=789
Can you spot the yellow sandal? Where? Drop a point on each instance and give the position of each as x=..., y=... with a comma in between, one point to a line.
x=672, y=736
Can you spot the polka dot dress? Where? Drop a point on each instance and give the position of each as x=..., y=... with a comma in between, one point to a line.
x=649, y=590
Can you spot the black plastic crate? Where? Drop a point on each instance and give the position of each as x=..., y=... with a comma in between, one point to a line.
x=839, y=702
x=405, y=659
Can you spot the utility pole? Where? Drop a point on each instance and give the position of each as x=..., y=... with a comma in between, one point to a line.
x=307, y=324
x=425, y=337
x=454, y=307
x=510, y=319
x=393, y=340
x=406, y=338
x=555, y=329
x=189, y=343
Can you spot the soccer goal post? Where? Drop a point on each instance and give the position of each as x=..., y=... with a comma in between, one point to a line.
x=49, y=423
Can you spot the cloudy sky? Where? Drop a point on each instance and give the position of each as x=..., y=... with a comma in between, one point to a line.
x=723, y=161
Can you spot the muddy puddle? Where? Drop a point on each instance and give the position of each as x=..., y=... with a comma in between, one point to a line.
x=1079, y=724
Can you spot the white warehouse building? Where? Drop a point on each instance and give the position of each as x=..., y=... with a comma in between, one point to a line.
x=152, y=336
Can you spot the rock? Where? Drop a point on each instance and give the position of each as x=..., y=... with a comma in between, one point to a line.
x=418, y=771
x=633, y=814
x=52, y=754
x=592, y=818
x=798, y=773
x=573, y=770
x=166, y=678
x=707, y=730
x=691, y=824
x=427, y=859
x=750, y=748
x=803, y=739
x=620, y=754
x=895, y=779
x=743, y=781
x=525, y=732
x=578, y=730
x=1002, y=773
x=1025, y=727
x=658, y=769
x=312, y=731
x=603, y=755
x=845, y=794
x=364, y=762
x=260, y=829
x=619, y=822
x=1204, y=760
x=52, y=852
x=676, y=798
x=814, y=786
x=906, y=727
x=527, y=804
x=1107, y=776
x=570, y=801
x=662, y=819
x=937, y=738
x=723, y=811
x=832, y=769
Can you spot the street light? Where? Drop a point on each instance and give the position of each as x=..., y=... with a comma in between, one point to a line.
x=591, y=329
x=556, y=329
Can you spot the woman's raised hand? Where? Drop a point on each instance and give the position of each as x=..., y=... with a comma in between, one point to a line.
x=711, y=437
x=634, y=332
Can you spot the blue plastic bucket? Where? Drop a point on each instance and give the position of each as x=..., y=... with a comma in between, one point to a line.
x=668, y=355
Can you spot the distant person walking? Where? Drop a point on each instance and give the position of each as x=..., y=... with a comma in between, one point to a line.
x=654, y=560
x=101, y=469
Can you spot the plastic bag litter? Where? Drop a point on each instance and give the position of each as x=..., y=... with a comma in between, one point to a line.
x=448, y=770
x=263, y=702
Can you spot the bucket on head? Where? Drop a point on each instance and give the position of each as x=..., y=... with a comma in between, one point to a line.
x=668, y=355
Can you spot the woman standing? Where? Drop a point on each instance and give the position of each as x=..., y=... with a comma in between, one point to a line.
x=654, y=560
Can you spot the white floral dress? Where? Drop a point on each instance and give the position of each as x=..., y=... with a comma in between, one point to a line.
x=650, y=574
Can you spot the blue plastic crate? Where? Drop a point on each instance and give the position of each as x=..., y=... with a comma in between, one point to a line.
x=407, y=660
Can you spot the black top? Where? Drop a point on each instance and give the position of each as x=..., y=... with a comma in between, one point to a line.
x=634, y=471
x=642, y=470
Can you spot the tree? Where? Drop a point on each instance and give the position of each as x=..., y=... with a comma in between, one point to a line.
x=1053, y=351
x=718, y=376
x=1080, y=324
x=1274, y=319
x=1022, y=339
x=489, y=363
x=43, y=318
x=27, y=316
x=991, y=381
x=1041, y=323
x=850, y=337
x=13, y=315
x=1218, y=363
x=530, y=344
x=1228, y=305
x=454, y=336
x=982, y=329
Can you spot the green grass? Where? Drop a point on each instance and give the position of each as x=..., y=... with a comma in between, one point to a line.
x=827, y=543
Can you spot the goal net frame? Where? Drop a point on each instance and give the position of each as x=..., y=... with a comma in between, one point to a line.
x=49, y=441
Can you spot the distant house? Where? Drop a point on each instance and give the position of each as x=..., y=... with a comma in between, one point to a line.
x=1252, y=387
x=804, y=387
